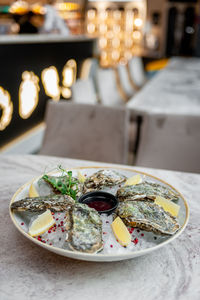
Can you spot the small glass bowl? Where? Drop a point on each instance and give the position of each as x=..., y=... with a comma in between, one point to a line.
x=103, y=202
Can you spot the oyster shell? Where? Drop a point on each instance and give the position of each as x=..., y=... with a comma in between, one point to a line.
x=147, y=190
x=55, y=203
x=148, y=216
x=84, y=228
x=101, y=179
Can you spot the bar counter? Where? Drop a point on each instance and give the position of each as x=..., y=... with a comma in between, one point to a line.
x=31, y=272
x=41, y=38
x=24, y=59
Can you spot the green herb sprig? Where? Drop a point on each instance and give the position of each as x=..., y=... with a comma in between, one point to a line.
x=66, y=184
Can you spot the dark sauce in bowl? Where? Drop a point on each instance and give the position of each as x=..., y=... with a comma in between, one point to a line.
x=103, y=202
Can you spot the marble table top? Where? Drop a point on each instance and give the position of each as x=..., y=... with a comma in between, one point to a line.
x=174, y=90
x=30, y=272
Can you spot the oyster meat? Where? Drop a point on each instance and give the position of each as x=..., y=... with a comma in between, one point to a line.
x=55, y=203
x=144, y=190
x=148, y=216
x=84, y=228
x=101, y=179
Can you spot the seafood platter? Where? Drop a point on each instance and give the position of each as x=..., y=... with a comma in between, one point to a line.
x=99, y=214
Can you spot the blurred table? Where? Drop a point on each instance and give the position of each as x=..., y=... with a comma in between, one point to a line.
x=30, y=272
x=174, y=90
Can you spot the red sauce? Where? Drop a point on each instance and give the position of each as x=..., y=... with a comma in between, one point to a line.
x=100, y=205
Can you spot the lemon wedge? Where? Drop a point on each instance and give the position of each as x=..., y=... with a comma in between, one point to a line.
x=32, y=191
x=168, y=205
x=42, y=223
x=133, y=180
x=81, y=177
x=121, y=232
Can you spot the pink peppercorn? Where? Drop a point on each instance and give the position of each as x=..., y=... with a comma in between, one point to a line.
x=135, y=241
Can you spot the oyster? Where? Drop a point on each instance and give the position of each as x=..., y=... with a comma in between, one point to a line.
x=147, y=190
x=148, y=216
x=84, y=228
x=101, y=179
x=55, y=203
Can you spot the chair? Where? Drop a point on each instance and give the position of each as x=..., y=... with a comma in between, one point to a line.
x=124, y=79
x=83, y=91
x=83, y=131
x=170, y=142
x=108, y=88
x=136, y=71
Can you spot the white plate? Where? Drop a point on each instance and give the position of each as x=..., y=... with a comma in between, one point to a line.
x=148, y=243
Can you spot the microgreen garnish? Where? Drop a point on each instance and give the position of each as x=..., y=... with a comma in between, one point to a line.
x=65, y=184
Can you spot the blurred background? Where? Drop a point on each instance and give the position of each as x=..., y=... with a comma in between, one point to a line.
x=156, y=28
x=94, y=52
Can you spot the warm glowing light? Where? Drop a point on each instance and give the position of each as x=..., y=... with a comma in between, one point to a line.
x=129, y=20
x=123, y=61
x=138, y=22
x=110, y=35
x=119, y=29
x=128, y=43
x=69, y=73
x=128, y=55
x=66, y=93
x=67, y=6
x=38, y=9
x=137, y=35
x=104, y=55
x=50, y=80
x=91, y=14
x=19, y=7
x=7, y=109
x=91, y=28
x=102, y=42
x=68, y=76
x=115, y=55
x=116, y=28
x=116, y=43
x=103, y=28
x=28, y=94
x=103, y=15
x=117, y=14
